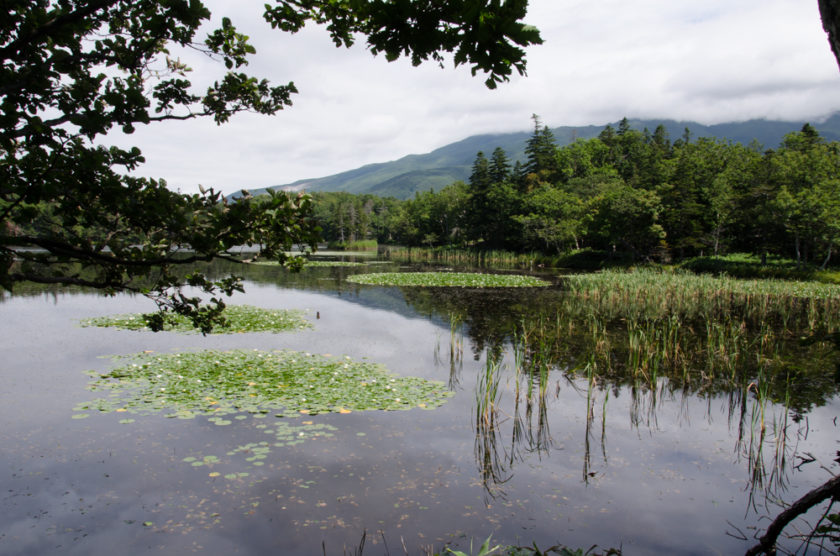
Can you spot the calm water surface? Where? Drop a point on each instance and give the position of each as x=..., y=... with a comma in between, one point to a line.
x=650, y=472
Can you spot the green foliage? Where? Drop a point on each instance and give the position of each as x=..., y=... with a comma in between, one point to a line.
x=74, y=212
x=487, y=37
x=628, y=217
x=551, y=220
x=357, y=220
x=634, y=194
x=447, y=279
x=484, y=550
x=322, y=264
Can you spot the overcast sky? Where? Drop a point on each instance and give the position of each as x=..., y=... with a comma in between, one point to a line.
x=709, y=61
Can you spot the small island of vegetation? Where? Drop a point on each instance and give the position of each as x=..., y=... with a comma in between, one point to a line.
x=448, y=279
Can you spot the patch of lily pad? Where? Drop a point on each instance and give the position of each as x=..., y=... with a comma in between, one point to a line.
x=223, y=384
x=240, y=319
x=228, y=387
x=282, y=433
x=448, y=279
x=314, y=264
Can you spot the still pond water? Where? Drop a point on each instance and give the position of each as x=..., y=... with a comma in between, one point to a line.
x=651, y=472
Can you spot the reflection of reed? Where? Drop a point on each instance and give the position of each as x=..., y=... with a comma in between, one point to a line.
x=667, y=348
x=660, y=347
x=591, y=393
x=530, y=431
x=456, y=350
x=533, y=365
x=764, y=431
x=491, y=465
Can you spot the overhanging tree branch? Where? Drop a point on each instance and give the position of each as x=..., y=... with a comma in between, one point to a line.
x=72, y=71
x=766, y=544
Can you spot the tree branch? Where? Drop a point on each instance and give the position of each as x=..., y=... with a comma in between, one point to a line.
x=811, y=499
x=25, y=41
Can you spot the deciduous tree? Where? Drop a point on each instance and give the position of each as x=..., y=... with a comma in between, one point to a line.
x=72, y=210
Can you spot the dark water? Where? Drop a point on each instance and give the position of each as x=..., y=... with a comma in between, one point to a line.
x=651, y=472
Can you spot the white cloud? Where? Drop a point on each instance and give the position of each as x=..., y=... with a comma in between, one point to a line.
x=714, y=61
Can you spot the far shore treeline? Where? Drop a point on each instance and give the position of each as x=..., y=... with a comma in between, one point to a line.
x=627, y=193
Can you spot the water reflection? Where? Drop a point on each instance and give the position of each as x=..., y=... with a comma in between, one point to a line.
x=560, y=430
x=766, y=439
x=766, y=379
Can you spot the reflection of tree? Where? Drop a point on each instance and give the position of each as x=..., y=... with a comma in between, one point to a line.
x=490, y=315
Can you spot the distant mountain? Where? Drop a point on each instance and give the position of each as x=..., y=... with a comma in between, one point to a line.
x=437, y=169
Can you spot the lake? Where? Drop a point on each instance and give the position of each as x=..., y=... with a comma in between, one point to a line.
x=659, y=469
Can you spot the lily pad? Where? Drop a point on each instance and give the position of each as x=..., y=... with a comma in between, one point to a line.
x=220, y=384
x=240, y=318
x=448, y=279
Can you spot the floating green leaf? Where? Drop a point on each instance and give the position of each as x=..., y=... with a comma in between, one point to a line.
x=448, y=279
x=240, y=318
x=223, y=383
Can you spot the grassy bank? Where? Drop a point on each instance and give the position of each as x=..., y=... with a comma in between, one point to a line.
x=357, y=245
x=739, y=265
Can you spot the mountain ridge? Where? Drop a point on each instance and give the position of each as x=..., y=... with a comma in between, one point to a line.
x=403, y=177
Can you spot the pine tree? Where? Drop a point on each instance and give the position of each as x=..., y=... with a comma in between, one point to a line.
x=480, y=178
x=499, y=166
x=540, y=151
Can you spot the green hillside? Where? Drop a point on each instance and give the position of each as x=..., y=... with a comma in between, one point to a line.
x=420, y=172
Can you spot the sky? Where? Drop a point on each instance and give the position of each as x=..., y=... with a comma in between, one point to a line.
x=708, y=61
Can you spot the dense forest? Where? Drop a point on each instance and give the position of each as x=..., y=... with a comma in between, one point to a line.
x=627, y=192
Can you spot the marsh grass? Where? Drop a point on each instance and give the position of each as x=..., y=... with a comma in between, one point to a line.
x=763, y=343
x=702, y=333
x=237, y=319
x=653, y=294
x=685, y=325
x=355, y=245
x=663, y=337
x=448, y=279
x=744, y=265
x=456, y=255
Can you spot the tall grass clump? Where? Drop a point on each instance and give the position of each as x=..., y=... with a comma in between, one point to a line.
x=695, y=332
x=652, y=294
x=463, y=256
x=354, y=245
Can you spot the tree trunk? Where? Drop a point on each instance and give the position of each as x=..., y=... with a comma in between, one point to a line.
x=827, y=257
x=830, y=15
